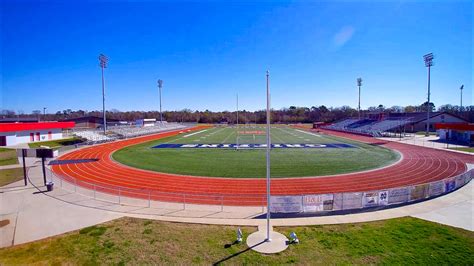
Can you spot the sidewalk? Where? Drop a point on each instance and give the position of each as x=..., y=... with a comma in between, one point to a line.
x=426, y=141
x=35, y=214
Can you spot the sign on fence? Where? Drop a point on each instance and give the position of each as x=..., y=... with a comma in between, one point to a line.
x=352, y=200
x=450, y=184
x=383, y=197
x=356, y=200
x=419, y=192
x=370, y=199
x=286, y=204
x=436, y=188
x=398, y=195
x=316, y=203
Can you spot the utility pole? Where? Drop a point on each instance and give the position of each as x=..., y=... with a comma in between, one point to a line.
x=428, y=58
x=160, y=85
x=103, y=60
x=359, y=84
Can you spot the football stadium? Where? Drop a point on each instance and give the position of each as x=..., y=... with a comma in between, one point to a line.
x=178, y=171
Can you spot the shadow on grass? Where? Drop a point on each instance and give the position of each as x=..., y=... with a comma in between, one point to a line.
x=236, y=254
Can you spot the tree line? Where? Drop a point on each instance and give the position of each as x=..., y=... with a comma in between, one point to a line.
x=292, y=114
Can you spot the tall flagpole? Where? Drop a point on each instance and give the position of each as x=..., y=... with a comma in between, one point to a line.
x=268, y=158
x=237, y=123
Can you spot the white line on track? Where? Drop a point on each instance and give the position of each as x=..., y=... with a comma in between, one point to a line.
x=194, y=133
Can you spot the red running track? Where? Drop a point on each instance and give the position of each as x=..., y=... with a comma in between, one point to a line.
x=419, y=165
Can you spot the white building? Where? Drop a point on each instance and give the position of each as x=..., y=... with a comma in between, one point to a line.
x=17, y=133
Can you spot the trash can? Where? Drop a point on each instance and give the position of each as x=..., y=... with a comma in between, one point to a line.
x=49, y=186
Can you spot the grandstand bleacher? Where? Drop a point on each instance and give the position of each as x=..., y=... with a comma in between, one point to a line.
x=371, y=127
x=95, y=136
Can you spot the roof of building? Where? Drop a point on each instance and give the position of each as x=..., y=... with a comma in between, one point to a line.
x=417, y=117
x=90, y=118
x=455, y=126
x=12, y=127
x=19, y=119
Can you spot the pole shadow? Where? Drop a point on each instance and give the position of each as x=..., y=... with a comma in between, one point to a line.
x=236, y=254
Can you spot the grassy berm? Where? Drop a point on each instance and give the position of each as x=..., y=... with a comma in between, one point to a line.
x=403, y=241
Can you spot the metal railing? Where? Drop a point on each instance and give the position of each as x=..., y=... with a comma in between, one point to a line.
x=145, y=196
x=307, y=203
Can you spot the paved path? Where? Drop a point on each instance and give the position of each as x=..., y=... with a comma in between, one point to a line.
x=34, y=214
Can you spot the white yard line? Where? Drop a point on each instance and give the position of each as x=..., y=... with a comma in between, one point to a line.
x=189, y=135
x=309, y=133
x=230, y=134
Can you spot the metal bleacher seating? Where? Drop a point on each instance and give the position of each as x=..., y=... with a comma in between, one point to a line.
x=96, y=136
x=371, y=127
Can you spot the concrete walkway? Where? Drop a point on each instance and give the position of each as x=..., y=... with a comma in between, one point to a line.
x=427, y=141
x=34, y=214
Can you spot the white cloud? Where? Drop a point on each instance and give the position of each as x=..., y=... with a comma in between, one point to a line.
x=343, y=35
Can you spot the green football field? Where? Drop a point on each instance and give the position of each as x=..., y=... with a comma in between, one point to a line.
x=231, y=162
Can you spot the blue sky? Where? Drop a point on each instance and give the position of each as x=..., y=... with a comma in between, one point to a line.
x=207, y=52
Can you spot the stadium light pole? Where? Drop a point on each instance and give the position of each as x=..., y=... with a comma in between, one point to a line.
x=44, y=112
x=268, y=158
x=160, y=86
x=462, y=87
x=359, y=84
x=103, y=60
x=428, y=58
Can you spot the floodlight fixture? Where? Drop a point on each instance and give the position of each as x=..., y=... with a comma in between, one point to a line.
x=239, y=235
x=428, y=59
x=294, y=238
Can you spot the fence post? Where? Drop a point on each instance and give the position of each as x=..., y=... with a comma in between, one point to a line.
x=149, y=198
x=184, y=201
x=120, y=192
x=222, y=203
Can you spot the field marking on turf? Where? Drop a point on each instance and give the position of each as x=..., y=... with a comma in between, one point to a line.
x=189, y=135
x=309, y=133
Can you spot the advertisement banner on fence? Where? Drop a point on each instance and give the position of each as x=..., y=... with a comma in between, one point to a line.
x=449, y=184
x=352, y=200
x=337, y=203
x=460, y=180
x=398, y=195
x=436, y=188
x=286, y=204
x=418, y=192
x=316, y=203
x=370, y=199
x=383, y=197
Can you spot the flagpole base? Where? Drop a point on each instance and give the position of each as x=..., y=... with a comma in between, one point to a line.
x=259, y=242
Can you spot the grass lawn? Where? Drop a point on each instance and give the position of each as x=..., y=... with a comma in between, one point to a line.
x=468, y=149
x=134, y=241
x=251, y=162
x=56, y=143
x=8, y=156
x=8, y=176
